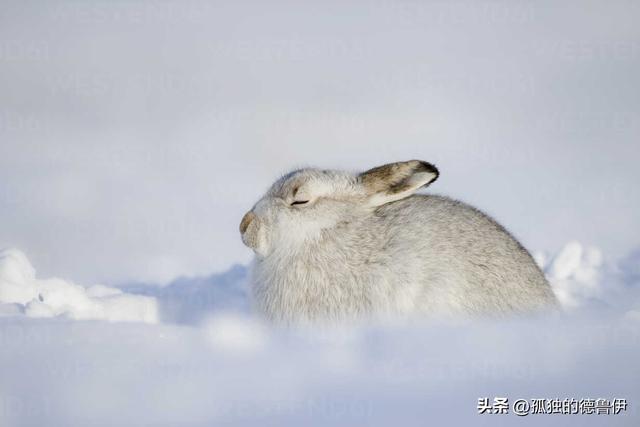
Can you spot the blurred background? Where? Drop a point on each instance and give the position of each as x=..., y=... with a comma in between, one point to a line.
x=134, y=135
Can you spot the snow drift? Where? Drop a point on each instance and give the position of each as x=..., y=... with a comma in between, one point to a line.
x=209, y=362
x=22, y=292
x=579, y=275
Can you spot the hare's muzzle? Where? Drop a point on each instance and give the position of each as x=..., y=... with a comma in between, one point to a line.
x=250, y=230
x=247, y=219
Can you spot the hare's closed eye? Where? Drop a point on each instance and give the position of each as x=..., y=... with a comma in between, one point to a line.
x=300, y=200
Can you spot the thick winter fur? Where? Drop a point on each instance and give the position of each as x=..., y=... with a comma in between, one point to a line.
x=333, y=245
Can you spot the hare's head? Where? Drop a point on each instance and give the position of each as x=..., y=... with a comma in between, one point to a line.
x=302, y=205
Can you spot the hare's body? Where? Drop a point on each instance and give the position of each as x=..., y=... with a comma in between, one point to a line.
x=419, y=255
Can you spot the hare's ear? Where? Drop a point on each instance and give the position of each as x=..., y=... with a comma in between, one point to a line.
x=396, y=181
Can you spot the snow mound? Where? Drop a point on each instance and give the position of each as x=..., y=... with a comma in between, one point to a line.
x=575, y=274
x=580, y=277
x=22, y=293
x=191, y=300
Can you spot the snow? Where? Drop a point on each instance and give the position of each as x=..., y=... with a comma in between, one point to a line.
x=581, y=278
x=574, y=274
x=220, y=365
x=233, y=333
x=21, y=291
x=236, y=372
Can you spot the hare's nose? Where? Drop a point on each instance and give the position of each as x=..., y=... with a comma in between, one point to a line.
x=247, y=219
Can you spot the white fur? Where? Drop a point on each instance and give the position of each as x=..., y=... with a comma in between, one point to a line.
x=366, y=245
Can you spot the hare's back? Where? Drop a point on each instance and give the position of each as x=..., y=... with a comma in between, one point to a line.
x=464, y=254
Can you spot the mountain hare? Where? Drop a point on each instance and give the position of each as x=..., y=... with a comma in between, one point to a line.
x=332, y=245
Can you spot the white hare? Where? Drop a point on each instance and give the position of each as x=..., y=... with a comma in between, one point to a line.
x=333, y=245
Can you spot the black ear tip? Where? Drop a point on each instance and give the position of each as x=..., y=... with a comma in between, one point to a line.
x=427, y=167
